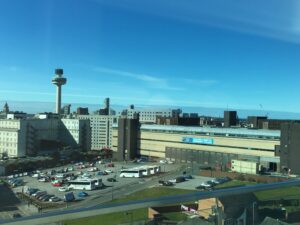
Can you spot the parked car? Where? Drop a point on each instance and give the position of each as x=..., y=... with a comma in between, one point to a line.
x=92, y=169
x=211, y=183
x=54, y=199
x=40, y=197
x=165, y=183
x=82, y=194
x=36, y=194
x=60, y=175
x=17, y=183
x=202, y=187
x=16, y=215
x=46, y=199
x=36, y=175
x=188, y=177
x=57, y=184
x=63, y=189
x=43, y=179
x=108, y=171
x=102, y=173
x=111, y=179
x=31, y=191
x=206, y=185
x=177, y=180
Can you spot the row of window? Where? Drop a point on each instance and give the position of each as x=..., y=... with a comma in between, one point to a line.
x=8, y=134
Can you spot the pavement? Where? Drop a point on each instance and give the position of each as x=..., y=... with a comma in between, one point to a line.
x=131, y=205
x=192, y=183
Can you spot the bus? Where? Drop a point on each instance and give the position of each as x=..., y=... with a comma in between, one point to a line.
x=85, y=184
x=131, y=173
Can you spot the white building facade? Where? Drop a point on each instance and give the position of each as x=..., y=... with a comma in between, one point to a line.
x=20, y=137
x=150, y=115
x=101, y=130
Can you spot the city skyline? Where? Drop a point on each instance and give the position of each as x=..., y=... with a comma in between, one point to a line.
x=175, y=56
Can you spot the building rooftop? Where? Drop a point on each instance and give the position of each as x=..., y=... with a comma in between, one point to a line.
x=229, y=131
x=212, y=130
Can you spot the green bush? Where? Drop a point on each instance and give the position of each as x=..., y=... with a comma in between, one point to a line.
x=240, y=177
x=251, y=179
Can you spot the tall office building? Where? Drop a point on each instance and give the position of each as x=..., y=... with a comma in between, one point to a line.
x=230, y=118
x=82, y=111
x=106, y=105
x=289, y=147
x=101, y=130
x=127, y=138
x=105, y=111
x=66, y=110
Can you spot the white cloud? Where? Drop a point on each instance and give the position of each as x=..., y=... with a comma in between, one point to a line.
x=204, y=82
x=152, y=81
x=273, y=19
x=26, y=92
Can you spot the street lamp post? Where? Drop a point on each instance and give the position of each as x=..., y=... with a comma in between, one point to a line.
x=253, y=212
x=131, y=216
x=112, y=191
x=112, y=187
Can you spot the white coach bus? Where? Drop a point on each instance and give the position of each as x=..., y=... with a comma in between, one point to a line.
x=85, y=184
x=131, y=173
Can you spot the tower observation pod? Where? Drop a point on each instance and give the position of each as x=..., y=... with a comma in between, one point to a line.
x=58, y=80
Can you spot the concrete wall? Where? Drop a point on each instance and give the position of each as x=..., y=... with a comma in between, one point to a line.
x=154, y=144
x=221, y=141
x=289, y=148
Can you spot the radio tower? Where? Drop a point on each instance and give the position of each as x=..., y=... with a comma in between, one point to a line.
x=58, y=80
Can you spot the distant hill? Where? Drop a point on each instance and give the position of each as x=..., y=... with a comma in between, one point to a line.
x=35, y=107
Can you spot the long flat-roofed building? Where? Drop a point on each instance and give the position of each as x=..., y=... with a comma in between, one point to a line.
x=206, y=145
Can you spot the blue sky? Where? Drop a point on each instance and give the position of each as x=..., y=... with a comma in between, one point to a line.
x=178, y=53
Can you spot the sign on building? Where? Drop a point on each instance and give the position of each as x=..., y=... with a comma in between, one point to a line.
x=206, y=141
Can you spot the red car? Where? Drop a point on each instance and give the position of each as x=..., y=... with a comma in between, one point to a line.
x=110, y=165
x=58, y=184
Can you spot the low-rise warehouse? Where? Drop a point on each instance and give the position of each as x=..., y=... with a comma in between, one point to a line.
x=203, y=145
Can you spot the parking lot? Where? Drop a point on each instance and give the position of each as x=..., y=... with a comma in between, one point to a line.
x=191, y=184
x=107, y=190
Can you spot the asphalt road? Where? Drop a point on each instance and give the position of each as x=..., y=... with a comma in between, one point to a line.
x=121, y=207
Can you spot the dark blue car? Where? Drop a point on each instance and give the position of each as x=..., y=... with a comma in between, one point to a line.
x=82, y=194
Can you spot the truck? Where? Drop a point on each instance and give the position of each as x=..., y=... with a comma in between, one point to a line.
x=69, y=197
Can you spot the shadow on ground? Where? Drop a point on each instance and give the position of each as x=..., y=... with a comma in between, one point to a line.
x=8, y=200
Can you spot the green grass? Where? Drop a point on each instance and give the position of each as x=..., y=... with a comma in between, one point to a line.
x=152, y=193
x=234, y=183
x=281, y=193
x=139, y=214
x=111, y=219
x=175, y=216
